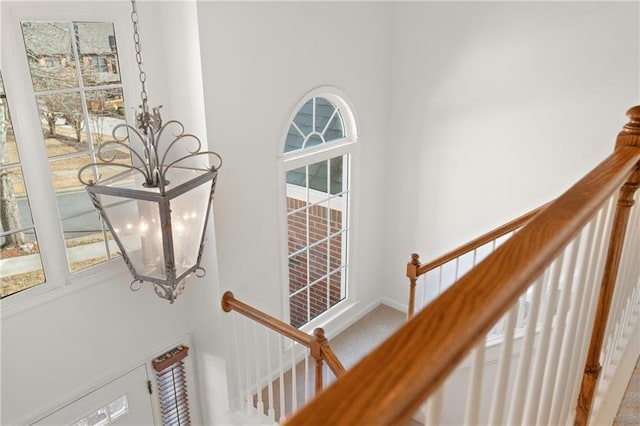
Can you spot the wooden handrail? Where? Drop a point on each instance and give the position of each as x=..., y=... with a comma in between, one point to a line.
x=332, y=361
x=391, y=383
x=480, y=241
x=317, y=344
x=229, y=303
x=415, y=269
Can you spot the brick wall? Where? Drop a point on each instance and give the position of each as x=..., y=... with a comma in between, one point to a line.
x=318, y=263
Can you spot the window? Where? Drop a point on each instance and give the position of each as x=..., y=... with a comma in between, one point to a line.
x=20, y=260
x=317, y=159
x=106, y=415
x=78, y=93
x=100, y=64
x=172, y=387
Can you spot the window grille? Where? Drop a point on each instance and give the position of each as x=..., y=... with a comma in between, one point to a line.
x=172, y=387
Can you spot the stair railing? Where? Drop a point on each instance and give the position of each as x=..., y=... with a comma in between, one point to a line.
x=272, y=361
x=440, y=273
x=573, y=258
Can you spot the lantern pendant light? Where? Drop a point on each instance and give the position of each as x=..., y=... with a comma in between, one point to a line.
x=157, y=207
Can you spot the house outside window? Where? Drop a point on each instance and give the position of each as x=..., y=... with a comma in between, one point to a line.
x=317, y=159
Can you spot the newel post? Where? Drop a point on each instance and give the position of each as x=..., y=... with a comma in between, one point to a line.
x=630, y=136
x=412, y=274
x=316, y=352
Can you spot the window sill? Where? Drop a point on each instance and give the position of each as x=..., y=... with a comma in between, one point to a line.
x=49, y=291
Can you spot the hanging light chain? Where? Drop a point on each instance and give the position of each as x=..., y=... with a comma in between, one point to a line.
x=136, y=40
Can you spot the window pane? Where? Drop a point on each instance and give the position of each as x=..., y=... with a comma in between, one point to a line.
x=336, y=216
x=118, y=407
x=64, y=173
x=99, y=418
x=304, y=118
x=63, y=125
x=335, y=252
x=14, y=203
x=297, y=177
x=51, y=60
x=318, y=299
x=324, y=112
x=335, y=288
x=21, y=265
x=98, y=53
x=298, y=308
x=297, y=227
x=297, y=272
x=318, y=222
x=337, y=185
x=335, y=130
x=318, y=176
x=106, y=111
x=8, y=149
x=318, y=263
x=84, y=240
x=294, y=139
x=313, y=140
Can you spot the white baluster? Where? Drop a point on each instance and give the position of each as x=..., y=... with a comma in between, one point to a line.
x=294, y=379
x=271, y=412
x=257, y=362
x=281, y=383
x=237, y=337
x=526, y=352
x=474, y=394
x=307, y=380
x=558, y=334
x=499, y=399
x=594, y=278
x=569, y=367
x=434, y=408
x=533, y=392
x=247, y=369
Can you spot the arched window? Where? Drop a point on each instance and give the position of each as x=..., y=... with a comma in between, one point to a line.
x=317, y=160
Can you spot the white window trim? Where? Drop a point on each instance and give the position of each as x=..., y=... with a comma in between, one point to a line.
x=295, y=159
x=17, y=80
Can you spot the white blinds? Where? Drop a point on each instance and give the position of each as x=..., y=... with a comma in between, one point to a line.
x=172, y=386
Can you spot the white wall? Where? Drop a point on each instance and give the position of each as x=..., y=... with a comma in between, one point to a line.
x=483, y=109
x=498, y=107
x=53, y=352
x=259, y=60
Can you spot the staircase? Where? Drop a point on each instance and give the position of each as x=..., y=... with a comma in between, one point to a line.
x=537, y=322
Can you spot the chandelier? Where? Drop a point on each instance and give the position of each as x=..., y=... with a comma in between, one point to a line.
x=157, y=207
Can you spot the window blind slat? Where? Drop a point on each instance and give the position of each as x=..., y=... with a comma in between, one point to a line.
x=172, y=387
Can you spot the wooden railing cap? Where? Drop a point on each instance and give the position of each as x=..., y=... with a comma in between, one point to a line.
x=634, y=115
x=225, y=301
x=630, y=134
